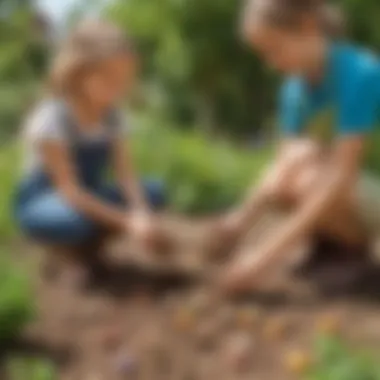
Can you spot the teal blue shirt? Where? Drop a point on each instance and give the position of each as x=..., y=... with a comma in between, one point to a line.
x=345, y=102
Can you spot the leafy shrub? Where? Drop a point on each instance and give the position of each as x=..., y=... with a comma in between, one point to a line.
x=15, y=99
x=9, y=171
x=200, y=175
x=335, y=361
x=31, y=369
x=16, y=308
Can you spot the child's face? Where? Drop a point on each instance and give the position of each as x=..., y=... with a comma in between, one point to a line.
x=108, y=82
x=285, y=50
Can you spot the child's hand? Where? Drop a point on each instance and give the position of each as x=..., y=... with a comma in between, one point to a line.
x=145, y=228
x=234, y=222
x=239, y=276
x=226, y=232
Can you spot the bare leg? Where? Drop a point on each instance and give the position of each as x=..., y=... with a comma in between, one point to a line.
x=341, y=222
x=340, y=253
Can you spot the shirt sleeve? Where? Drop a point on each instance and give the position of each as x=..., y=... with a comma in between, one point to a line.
x=291, y=115
x=46, y=124
x=358, y=111
x=119, y=123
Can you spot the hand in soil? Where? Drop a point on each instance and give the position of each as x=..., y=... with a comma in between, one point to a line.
x=239, y=276
x=225, y=233
x=145, y=228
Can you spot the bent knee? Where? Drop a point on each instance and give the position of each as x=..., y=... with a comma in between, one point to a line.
x=56, y=229
x=57, y=224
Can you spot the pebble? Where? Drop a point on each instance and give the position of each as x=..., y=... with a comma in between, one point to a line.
x=207, y=335
x=248, y=317
x=126, y=364
x=225, y=317
x=297, y=362
x=184, y=319
x=329, y=324
x=238, y=352
x=108, y=338
x=275, y=329
x=200, y=303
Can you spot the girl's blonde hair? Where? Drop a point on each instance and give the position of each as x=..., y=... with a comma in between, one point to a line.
x=88, y=44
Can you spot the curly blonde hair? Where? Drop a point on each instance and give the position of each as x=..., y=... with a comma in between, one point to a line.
x=88, y=44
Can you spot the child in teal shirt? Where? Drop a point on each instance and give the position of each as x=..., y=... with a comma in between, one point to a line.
x=328, y=108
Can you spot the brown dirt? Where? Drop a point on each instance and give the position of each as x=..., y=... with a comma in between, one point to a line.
x=147, y=324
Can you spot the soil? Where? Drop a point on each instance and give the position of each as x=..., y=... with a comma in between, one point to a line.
x=153, y=322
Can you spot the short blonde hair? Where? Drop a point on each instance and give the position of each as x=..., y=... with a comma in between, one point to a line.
x=288, y=13
x=88, y=44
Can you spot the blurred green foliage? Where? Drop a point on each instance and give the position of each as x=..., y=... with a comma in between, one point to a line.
x=192, y=52
x=24, y=49
x=9, y=172
x=31, y=369
x=16, y=306
x=200, y=175
x=335, y=361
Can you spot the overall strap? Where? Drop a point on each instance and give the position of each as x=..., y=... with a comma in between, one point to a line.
x=112, y=121
x=66, y=117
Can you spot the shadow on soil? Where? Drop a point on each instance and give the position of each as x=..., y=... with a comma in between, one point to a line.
x=36, y=349
x=366, y=290
x=124, y=280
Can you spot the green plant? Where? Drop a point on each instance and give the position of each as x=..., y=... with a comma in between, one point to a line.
x=9, y=172
x=15, y=100
x=200, y=175
x=16, y=305
x=335, y=361
x=31, y=369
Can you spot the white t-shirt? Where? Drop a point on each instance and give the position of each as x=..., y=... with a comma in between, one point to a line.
x=51, y=121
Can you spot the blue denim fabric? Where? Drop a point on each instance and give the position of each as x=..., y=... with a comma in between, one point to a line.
x=44, y=215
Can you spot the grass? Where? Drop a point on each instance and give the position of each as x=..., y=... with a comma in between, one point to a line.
x=337, y=361
x=9, y=169
x=19, y=368
x=16, y=298
x=201, y=175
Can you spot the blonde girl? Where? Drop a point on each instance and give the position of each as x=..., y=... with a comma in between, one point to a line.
x=75, y=140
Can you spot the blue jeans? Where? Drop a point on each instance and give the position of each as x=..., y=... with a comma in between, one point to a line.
x=47, y=217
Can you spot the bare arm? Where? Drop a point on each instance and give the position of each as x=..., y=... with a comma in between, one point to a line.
x=127, y=178
x=291, y=154
x=340, y=175
x=58, y=163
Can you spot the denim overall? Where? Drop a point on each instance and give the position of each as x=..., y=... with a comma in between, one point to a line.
x=44, y=215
